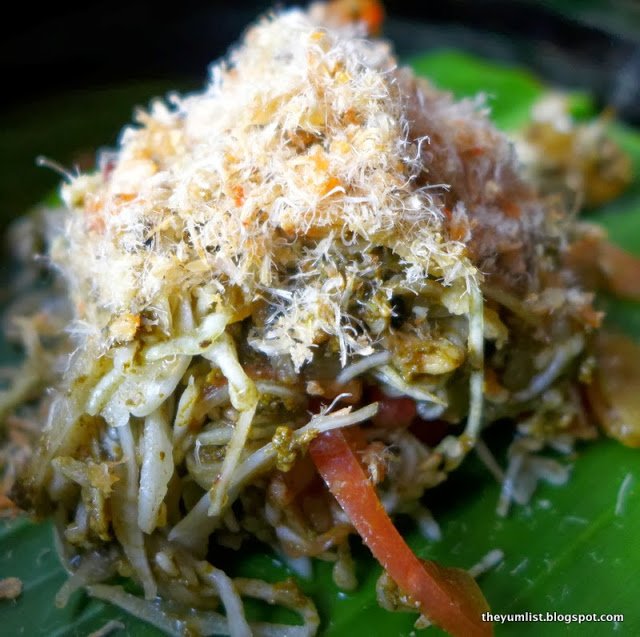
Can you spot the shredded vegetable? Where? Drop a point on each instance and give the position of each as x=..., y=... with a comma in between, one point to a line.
x=293, y=303
x=448, y=597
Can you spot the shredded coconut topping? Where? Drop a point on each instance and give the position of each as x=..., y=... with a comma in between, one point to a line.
x=317, y=228
x=308, y=157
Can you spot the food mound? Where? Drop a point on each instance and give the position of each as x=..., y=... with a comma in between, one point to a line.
x=299, y=296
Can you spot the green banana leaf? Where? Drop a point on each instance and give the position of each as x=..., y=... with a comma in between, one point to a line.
x=573, y=549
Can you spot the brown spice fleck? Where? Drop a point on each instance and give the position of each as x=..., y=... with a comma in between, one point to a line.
x=10, y=588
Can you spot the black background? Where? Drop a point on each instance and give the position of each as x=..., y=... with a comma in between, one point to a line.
x=71, y=73
x=60, y=46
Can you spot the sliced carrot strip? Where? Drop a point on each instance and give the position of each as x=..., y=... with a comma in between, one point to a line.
x=449, y=597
